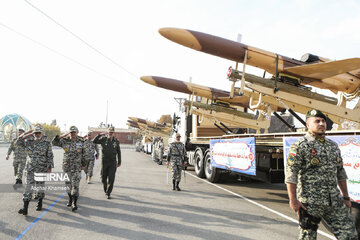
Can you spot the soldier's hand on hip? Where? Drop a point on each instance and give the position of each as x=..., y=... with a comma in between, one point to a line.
x=118, y=165
x=49, y=170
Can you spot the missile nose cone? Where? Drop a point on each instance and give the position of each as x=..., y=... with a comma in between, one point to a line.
x=181, y=36
x=133, y=119
x=148, y=79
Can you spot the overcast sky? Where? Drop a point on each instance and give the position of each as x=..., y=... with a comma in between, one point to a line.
x=48, y=73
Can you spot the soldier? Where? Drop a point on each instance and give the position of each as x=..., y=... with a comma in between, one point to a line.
x=91, y=152
x=154, y=148
x=41, y=161
x=110, y=150
x=314, y=169
x=160, y=150
x=177, y=158
x=73, y=162
x=19, y=158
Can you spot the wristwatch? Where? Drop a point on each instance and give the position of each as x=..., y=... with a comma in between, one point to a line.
x=346, y=198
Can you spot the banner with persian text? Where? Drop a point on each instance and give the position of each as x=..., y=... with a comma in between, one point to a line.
x=236, y=154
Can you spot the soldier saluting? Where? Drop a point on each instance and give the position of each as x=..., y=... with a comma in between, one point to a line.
x=20, y=155
x=41, y=161
x=73, y=162
x=314, y=169
x=177, y=158
x=110, y=151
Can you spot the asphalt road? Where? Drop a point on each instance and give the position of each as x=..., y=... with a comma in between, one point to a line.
x=143, y=206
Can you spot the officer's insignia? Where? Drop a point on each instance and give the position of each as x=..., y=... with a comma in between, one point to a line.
x=66, y=150
x=313, y=152
x=314, y=161
x=291, y=160
x=313, y=112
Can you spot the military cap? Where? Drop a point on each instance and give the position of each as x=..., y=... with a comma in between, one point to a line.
x=315, y=113
x=111, y=129
x=38, y=128
x=21, y=130
x=74, y=129
x=177, y=135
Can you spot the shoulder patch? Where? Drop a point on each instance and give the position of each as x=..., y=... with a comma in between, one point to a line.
x=291, y=160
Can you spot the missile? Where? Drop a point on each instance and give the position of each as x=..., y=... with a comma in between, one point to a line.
x=203, y=91
x=191, y=88
x=150, y=123
x=227, y=49
x=340, y=75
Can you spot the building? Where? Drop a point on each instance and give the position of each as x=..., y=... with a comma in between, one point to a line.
x=9, y=125
x=125, y=136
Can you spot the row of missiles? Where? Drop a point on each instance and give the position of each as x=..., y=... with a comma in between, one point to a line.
x=288, y=89
x=150, y=129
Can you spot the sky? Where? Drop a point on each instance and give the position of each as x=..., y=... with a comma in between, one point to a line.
x=78, y=61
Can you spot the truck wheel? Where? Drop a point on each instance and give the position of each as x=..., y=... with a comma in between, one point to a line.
x=199, y=163
x=212, y=174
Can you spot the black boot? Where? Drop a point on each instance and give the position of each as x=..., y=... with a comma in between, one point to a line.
x=24, y=210
x=74, y=206
x=177, y=186
x=39, y=205
x=70, y=200
x=174, y=184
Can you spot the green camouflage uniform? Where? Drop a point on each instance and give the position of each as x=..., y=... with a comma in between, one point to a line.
x=176, y=157
x=72, y=162
x=315, y=166
x=90, y=152
x=41, y=159
x=20, y=155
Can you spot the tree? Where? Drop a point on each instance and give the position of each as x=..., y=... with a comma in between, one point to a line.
x=50, y=130
x=165, y=119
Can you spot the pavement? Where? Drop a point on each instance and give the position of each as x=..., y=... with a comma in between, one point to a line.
x=143, y=206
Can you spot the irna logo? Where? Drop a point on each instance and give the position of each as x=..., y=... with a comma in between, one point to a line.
x=52, y=177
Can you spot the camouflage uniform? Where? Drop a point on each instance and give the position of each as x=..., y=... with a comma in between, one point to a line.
x=176, y=157
x=20, y=155
x=41, y=159
x=160, y=150
x=90, y=152
x=72, y=162
x=315, y=166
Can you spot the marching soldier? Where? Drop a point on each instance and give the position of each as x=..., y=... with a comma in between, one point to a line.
x=177, y=159
x=19, y=158
x=40, y=161
x=160, y=149
x=91, y=152
x=73, y=162
x=314, y=169
x=110, y=151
